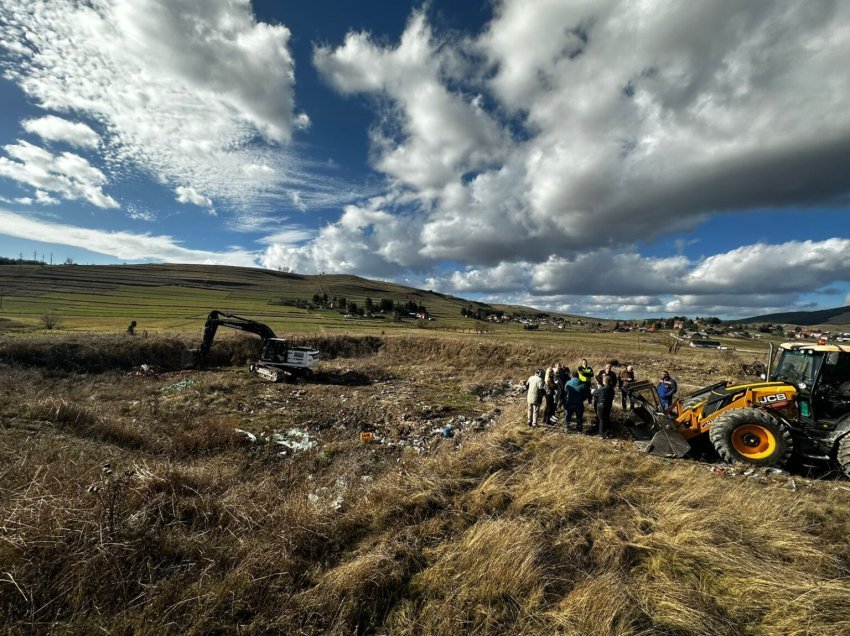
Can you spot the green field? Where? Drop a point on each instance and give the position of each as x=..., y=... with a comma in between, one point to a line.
x=177, y=298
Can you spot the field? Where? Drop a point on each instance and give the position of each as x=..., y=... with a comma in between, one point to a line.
x=138, y=499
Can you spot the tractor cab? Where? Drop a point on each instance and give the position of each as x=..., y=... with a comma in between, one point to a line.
x=821, y=374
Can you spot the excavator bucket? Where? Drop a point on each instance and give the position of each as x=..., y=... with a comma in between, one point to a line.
x=647, y=422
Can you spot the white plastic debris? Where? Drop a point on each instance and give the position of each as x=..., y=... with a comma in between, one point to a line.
x=249, y=435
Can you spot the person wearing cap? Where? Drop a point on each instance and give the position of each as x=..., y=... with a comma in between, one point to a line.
x=535, y=396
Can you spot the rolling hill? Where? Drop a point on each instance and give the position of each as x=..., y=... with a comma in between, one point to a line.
x=835, y=316
x=177, y=297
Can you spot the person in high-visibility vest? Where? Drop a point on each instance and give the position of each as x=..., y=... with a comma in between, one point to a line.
x=585, y=373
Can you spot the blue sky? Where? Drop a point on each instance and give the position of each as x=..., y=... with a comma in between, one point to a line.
x=608, y=158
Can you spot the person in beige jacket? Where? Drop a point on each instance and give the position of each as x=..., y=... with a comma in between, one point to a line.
x=535, y=396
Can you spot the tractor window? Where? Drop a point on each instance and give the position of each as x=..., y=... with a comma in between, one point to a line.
x=835, y=375
x=833, y=394
x=797, y=367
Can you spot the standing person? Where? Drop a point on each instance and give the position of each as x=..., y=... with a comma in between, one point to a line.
x=667, y=388
x=603, y=397
x=560, y=381
x=535, y=396
x=575, y=393
x=585, y=373
x=549, y=395
x=609, y=373
x=627, y=378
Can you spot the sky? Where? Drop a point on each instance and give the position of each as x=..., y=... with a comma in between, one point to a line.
x=617, y=158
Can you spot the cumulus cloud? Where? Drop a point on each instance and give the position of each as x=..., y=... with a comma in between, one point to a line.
x=121, y=245
x=190, y=195
x=67, y=175
x=196, y=92
x=365, y=241
x=433, y=135
x=52, y=128
x=568, y=127
x=750, y=279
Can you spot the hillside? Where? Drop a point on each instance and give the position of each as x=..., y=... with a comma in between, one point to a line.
x=839, y=316
x=177, y=297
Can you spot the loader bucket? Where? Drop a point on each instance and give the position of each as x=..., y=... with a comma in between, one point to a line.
x=645, y=423
x=668, y=442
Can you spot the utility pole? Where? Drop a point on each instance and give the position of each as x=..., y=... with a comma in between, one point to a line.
x=51, y=258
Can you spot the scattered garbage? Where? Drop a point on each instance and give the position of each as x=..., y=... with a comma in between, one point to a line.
x=367, y=437
x=448, y=431
x=178, y=386
x=249, y=435
x=295, y=440
x=144, y=370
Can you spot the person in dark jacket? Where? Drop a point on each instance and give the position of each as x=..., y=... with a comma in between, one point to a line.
x=627, y=378
x=575, y=393
x=612, y=376
x=585, y=374
x=561, y=378
x=603, y=398
x=667, y=388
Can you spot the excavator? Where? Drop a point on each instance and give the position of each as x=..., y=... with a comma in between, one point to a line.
x=278, y=359
x=800, y=409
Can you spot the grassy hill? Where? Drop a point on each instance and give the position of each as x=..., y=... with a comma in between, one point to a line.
x=839, y=316
x=178, y=297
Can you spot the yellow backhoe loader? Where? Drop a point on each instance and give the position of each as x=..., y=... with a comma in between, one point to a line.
x=802, y=409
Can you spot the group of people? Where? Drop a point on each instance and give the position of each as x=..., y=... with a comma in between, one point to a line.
x=557, y=388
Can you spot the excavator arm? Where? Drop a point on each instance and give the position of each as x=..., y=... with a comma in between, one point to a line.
x=217, y=319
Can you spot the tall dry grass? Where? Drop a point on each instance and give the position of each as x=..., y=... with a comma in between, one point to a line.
x=177, y=525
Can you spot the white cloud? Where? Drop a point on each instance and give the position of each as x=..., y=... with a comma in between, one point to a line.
x=196, y=92
x=190, y=195
x=435, y=135
x=751, y=279
x=366, y=241
x=121, y=245
x=287, y=236
x=52, y=128
x=590, y=124
x=139, y=214
x=45, y=199
x=66, y=175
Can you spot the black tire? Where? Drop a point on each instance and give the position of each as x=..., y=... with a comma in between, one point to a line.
x=750, y=436
x=843, y=455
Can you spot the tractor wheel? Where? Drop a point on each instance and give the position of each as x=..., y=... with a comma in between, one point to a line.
x=751, y=436
x=843, y=455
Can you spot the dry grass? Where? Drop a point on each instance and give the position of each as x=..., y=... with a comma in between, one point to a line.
x=128, y=509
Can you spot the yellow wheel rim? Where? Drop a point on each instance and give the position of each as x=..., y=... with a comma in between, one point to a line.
x=752, y=441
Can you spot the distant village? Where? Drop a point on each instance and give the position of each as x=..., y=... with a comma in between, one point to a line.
x=699, y=331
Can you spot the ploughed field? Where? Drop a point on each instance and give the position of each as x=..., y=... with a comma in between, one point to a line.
x=397, y=491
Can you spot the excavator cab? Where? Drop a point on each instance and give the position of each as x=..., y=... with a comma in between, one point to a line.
x=274, y=351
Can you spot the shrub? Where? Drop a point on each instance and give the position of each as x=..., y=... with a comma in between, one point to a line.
x=50, y=321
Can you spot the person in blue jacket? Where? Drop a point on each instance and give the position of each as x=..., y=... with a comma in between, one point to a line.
x=667, y=388
x=575, y=393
